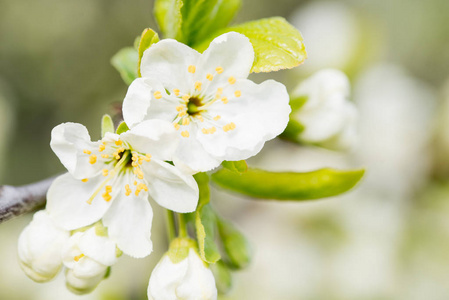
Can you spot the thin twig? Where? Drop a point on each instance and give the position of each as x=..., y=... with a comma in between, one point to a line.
x=15, y=201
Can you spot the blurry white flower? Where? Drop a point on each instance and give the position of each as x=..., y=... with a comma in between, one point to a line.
x=40, y=245
x=87, y=257
x=219, y=114
x=182, y=274
x=328, y=116
x=112, y=179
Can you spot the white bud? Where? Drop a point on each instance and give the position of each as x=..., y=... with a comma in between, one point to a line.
x=328, y=116
x=39, y=248
x=188, y=279
x=87, y=257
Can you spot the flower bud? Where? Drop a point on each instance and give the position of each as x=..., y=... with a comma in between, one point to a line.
x=39, y=248
x=87, y=257
x=182, y=274
x=320, y=104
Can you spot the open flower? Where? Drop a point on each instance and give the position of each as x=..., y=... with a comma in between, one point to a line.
x=218, y=113
x=182, y=274
x=87, y=257
x=111, y=180
x=40, y=245
x=328, y=116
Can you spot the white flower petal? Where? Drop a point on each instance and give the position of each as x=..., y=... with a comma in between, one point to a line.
x=129, y=224
x=171, y=188
x=39, y=247
x=136, y=102
x=79, y=285
x=199, y=282
x=260, y=113
x=66, y=201
x=233, y=52
x=155, y=137
x=168, y=61
x=100, y=248
x=68, y=140
x=165, y=278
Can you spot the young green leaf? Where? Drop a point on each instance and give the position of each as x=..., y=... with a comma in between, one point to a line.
x=236, y=166
x=289, y=185
x=238, y=252
x=148, y=38
x=277, y=44
x=106, y=125
x=203, y=17
x=206, y=222
x=122, y=127
x=169, y=18
x=125, y=61
x=223, y=277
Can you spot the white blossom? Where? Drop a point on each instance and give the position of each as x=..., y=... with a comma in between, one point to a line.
x=111, y=180
x=39, y=248
x=328, y=116
x=218, y=113
x=187, y=279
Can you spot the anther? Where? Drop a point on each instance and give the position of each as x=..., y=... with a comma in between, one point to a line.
x=176, y=91
x=105, y=155
x=92, y=159
x=237, y=93
x=224, y=100
x=88, y=152
x=198, y=86
x=85, y=180
x=186, y=97
x=180, y=107
x=157, y=95
x=219, y=91
x=147, y=157
x=128, y=190
x=101, y=147
x=185, y=121
x=182, y=114
x=209, y=77
x=118, y=143
x=78, y=257
x=176, y=125
x=231, y=80
x=185, y=134
x=105, y=172
x=199, y=117
x=191, y=69
x=218, y=117
x=219, y=70
x=107, y=197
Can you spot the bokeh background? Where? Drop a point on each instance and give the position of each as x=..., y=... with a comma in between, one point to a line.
x=386, y=240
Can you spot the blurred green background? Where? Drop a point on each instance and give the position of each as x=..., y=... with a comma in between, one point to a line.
x=389, y=239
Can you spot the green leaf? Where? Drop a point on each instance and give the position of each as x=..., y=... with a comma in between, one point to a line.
x=236, y=166
x=223, y=277
x=169, y=18
x=106, y=125
x=293, y=130
x=125, y=61
x=238, y=252
x=203, y=17
x=277, y=44
x=148, y=38
x=206, y=222
x=289, y=185
x=122, y=127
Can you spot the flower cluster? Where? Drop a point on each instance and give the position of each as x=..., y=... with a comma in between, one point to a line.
x=188, y=113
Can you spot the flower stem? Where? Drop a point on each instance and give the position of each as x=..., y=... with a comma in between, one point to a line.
x=182, y=232
x=171, y=231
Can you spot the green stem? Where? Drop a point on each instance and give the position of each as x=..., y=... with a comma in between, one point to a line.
x=182, y=226
x=170, y=225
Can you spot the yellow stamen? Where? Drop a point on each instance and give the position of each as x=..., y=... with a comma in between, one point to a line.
x=105, y=155
x=219, y=91
x=108, y=188
x=107, y=197
x=157, y=95
x=92, y=159
x=185, y=134
x=128, y=190
x=204, y=130
x=176, y=91
x=142, y=186
x=140, y=160
x=218, y=117
x=88, y=152
x=182, y=114
x=191, y=69
x=176, y=125
x=186, y=97
x=134, y=164
x=185, y=121
x=85, y=180
x=118, y=143
x=228, y=127
x=225, y=100
x=209, y=77
x=219, y=70
x=101, y=148
x=238, y=93
x=121, y=149
x=231, y=80
x=180, y=107
x=199, y=117
x=198, y=86
x=147, y=157
x=105, y=172
x=78, y=257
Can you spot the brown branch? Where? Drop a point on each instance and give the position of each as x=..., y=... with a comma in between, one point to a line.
x=16, y=201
